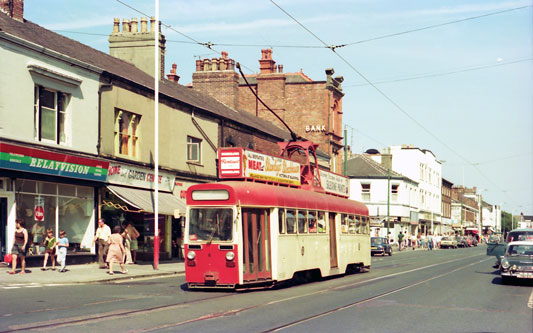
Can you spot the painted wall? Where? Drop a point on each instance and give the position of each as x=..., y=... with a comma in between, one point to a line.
x=17, y=97
x=175, y=125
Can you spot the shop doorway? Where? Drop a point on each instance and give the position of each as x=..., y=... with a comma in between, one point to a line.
x=3, y=226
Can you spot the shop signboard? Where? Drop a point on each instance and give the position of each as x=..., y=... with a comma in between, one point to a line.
x=243, y=163
x=334, y=183
x=123, y=174
x=20, y=158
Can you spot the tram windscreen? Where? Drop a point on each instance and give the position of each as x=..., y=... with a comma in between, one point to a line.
x=211, y=224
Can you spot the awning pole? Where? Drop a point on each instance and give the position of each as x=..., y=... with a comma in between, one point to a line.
x=156, y=124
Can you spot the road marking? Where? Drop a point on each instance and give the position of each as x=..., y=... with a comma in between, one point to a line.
x=530, y=302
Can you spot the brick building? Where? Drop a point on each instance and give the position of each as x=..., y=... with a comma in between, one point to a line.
x=313, y=109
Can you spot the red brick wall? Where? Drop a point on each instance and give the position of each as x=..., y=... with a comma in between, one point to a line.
x=17, y=11
x=222, y=85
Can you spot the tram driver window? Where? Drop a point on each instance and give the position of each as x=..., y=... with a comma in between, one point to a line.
x=311, y=219
x=302, y=222
x=290, y=219
x=281, y=220
x=321, y=222
x=344, y=223
x=351, y=224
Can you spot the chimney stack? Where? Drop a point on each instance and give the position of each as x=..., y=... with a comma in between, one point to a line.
x=173, y=76
x=266, y=64
x=13, y=8
x=386, y=160
x=137, y=47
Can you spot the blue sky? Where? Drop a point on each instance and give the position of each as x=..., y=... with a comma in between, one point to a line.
x=467, y=85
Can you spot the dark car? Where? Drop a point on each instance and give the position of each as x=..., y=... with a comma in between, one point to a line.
x=517, y=263
x=380, y=245
x=462, y=242
x=497, y=248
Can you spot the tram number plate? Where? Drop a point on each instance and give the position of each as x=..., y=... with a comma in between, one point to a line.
x=525, y=275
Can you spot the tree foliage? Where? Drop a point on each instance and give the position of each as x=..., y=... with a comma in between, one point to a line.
x=507, y=224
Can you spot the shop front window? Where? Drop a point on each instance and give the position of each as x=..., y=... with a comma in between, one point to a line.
x=45, y=205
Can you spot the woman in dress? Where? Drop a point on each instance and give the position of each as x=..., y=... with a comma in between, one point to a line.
x=127, y=242
x=116, y=251
x=20, y=247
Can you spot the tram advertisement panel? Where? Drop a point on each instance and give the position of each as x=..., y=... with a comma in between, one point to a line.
x=242, y=163
x=334, y=183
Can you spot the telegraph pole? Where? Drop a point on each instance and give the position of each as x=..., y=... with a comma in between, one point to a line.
x=388, y=201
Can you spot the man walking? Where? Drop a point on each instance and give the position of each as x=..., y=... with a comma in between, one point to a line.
x=103, y=232
x=400, y=241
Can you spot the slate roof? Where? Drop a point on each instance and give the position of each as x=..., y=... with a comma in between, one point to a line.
x=116, y=67
x=362, y=166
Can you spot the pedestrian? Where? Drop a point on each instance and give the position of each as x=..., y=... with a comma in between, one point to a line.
x=116, y=251
x=430, y=242
x=20, y=247
x=62, y=245
x=127, y=243
x=49, y=249
x=134, y=245
x=413, y=241
x=103, y=232
x=400, y=241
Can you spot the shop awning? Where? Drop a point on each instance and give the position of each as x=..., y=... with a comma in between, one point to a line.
x=144, y=199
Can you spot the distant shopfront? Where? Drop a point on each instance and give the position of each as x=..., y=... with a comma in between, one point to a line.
x=129, y=197
x=49, y=190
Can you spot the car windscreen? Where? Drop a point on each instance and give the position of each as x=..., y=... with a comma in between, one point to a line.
x=520, y=250
x=376, y=241
x=520, y=236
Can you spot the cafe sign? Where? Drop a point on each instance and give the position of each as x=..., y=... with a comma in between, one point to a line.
x=123, y=174
x=50, y=163
x=243, y=163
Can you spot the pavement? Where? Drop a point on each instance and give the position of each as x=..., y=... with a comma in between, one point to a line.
x=87, y=273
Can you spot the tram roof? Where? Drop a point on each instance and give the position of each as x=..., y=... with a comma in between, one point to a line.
x=261, y=195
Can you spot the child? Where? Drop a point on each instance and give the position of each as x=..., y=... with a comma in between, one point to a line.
x=62, y=245
x=50, y=246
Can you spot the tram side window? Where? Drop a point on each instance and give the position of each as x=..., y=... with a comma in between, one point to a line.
x=311, y=220
x=302, y=222
x=290, y=218
x=351, y=224
x=366, y=225
x=281, y=220
x=358, y=226
x=344, y=223
x=321, y=222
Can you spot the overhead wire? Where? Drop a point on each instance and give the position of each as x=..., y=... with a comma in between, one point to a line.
x=384, y=95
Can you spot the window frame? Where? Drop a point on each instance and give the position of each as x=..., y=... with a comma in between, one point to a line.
x=127, y=142
x=61, y=116
x=365, y=191
x=194, y=142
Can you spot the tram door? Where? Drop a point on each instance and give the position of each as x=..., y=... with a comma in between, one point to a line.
x=256, y=241
x=332, y=241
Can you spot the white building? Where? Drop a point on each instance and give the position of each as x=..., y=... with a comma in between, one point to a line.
x=491, y=217
x=369, y=181
x=422, y=166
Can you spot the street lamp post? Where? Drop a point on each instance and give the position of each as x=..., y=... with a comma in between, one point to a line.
x=388, y=201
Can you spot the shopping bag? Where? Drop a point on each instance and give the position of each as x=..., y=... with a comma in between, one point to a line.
x=8, y=258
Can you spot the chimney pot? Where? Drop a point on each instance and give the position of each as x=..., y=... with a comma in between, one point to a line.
x=134, y=25
x=231, y=64
x=173, y=76
x=266, y=64
x=116, y=25
x=214, y=64
x=207, y=65
x=144, y=24
x=152, y=24
x=224, y=55
x=199, y=65
x=280, y=68
x=125, y=25
x=223, y=63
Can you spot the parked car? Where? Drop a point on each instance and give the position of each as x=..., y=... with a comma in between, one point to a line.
x=517, y=261
x=380, y=245
x=448, y=242
x=461, y=241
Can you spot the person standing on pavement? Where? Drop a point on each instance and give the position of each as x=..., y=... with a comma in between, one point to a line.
x=430, y=242
x=103, y=232
x=134, y=245
x=400, y=241
x=20, y=247
x=116, y=251
x=62, y=245
x=50, y=249
x=127, y=243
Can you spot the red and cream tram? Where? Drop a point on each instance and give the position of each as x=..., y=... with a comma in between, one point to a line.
x=245, y=234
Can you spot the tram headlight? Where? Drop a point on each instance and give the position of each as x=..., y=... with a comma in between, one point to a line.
x=191, y=255
x=505, y=263
x=230, y=256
